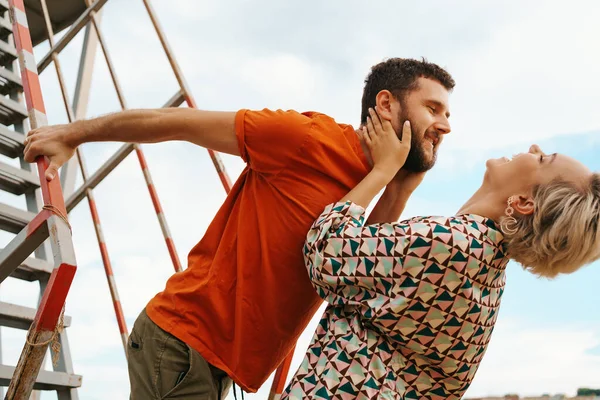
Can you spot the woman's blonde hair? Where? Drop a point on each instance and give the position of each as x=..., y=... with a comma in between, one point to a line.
x=563, y=232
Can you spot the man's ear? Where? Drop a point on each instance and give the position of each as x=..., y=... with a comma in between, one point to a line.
x=386, y=104
x=524, y=205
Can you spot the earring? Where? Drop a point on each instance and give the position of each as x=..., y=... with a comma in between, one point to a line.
x=508, y=224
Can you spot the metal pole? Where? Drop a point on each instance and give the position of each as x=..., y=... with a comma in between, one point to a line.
x=89, y=193
x=106, y=168
x=280, y=377
x=68, y=172
x=141, y=157
x=216, y=159
x=50, y=222
x=67, y=37
x=283, y=369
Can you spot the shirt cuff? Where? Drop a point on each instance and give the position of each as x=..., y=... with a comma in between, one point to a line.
x=341, y=213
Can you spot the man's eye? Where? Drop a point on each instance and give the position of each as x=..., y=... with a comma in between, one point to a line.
x=542, y=158
x=431, y=109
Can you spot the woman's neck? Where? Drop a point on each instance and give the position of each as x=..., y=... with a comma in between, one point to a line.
x=485, y=203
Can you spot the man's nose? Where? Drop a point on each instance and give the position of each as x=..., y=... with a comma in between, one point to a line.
x=443, y=127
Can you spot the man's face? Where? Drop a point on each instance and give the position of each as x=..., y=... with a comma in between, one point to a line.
x=427, y=110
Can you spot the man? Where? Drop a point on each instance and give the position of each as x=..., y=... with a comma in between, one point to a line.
x=245, y=298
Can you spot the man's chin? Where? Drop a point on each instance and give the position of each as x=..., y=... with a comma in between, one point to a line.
x=421, y=161
x=429, y=159
x=421, y=167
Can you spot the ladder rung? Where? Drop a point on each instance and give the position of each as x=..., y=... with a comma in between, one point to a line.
x=9, y=82
x=46, y=380
x=8, y=53
x=11, y=142
x=5, y=28
x=16, y=180
x=14, y=219
x=32, y=269
x=19, y=317
x=11, y=112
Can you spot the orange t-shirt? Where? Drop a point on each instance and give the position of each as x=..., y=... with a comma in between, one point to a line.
x=245, y=297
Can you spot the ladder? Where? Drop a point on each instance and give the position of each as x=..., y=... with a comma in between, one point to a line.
x=28, y=256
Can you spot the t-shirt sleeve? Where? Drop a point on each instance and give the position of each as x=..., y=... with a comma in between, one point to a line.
x=271, y=140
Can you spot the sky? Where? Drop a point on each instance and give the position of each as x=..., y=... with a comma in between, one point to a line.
x=526, y=73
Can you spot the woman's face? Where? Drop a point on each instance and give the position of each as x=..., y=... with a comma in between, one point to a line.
x=518, y=176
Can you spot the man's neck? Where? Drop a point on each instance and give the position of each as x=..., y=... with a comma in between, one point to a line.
x=364, y=147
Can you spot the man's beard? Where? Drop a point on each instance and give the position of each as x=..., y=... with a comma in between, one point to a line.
x=418, y=159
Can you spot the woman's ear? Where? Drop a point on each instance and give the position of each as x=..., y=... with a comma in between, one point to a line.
x=524, y=205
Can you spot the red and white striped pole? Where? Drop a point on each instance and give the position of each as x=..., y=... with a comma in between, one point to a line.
x=89, y=194
x=280, y=376
x=216, y=159
x=158, y=209
x=51, y=221
x=282, y=371
x=138, y=150
x=112, y=285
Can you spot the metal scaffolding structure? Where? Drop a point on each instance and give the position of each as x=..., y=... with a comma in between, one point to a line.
x=43, y=229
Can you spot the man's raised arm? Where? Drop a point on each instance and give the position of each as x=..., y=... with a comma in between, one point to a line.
x=211, y=129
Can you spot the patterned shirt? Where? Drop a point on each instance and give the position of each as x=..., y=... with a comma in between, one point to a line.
x=411, y=307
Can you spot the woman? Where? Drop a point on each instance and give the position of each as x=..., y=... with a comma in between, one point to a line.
x=412, y=305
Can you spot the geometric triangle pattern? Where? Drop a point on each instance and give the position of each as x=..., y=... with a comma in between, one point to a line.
x=412, y=305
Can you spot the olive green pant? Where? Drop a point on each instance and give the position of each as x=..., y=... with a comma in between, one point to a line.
x=163, y=367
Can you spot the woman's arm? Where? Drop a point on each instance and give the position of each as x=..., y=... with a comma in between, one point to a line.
x=388, y=153
x=378, y=269
x=339, y=230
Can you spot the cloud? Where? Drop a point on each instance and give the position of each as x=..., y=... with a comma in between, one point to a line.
x=531, y=79
x=530, y=360
x=280, y=76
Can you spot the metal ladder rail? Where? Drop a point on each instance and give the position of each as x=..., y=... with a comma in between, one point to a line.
x=51, y=223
